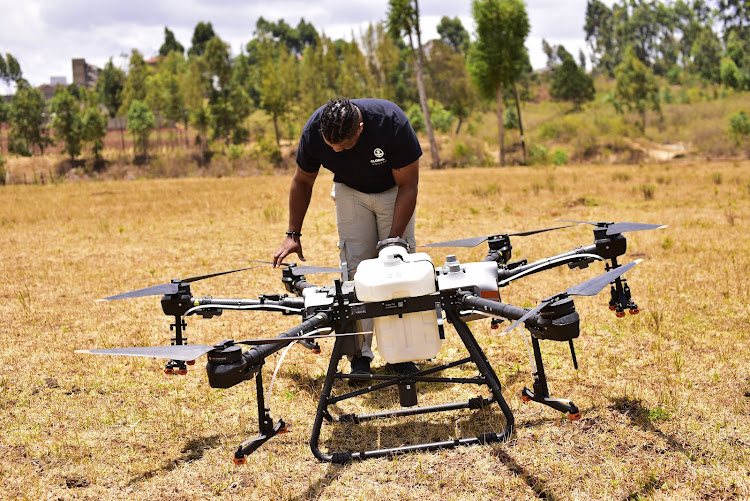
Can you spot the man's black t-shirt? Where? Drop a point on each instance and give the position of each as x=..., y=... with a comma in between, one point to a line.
x=387, y=142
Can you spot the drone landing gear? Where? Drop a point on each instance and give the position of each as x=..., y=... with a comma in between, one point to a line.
x=266, y=429
x=178, y=367
x=541, y=391
x=408, y=398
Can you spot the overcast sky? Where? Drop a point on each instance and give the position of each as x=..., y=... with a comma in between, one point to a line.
x=44, y=35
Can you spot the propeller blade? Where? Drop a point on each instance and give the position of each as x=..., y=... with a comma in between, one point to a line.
x=466, y=242
x=588, y=288
x=593, y=286
x=528, y=314
x=266, y=262
x=155, y=290
x=534, y=232
x=175, y=352
x=623, y=227
x=473, y=242
x=210, y=275
x=616, y=228
x=309, y=270
x=169, y=288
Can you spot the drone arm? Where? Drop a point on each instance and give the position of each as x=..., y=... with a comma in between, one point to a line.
x=284, y=304
x=256, y=355
x=492, y=307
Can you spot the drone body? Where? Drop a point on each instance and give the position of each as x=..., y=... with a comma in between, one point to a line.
x=409, y=299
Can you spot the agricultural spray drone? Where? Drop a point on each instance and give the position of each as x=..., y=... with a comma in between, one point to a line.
x=409, y=299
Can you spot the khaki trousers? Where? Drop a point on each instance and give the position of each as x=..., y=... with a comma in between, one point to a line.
x=363, y=219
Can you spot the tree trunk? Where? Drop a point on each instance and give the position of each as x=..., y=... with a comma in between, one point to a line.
x=276, y=129
x=458, y=127
x=520, y=122
x=122, y=135
x=501, y=123
x=418, y=61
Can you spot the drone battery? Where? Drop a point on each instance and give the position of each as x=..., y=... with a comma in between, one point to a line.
x=407, y=393
x=226, y=367
x=397, y=274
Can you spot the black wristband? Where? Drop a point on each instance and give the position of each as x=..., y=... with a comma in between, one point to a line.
x=293, y=234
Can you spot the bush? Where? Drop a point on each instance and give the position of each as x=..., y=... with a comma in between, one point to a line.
x=739, y=126
x=559, y=157
x=538, y=155
x=441, y=118
x=3, y=173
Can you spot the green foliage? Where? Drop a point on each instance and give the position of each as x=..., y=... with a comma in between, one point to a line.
x=202, y=33
x=26, y=116
x=538, y=154
x=510, y=119
x=67, y=122
x=453, y=34
x=3, y=172
x=498, y=54
x=141, y=122
x=636, y=87
x=170, y=44
x=109, y=88
x=739, y=127
x=571, y=83
x=706, y=54
x=135, y=87
x=559, y=156
x=94, y=129
x=442, y=119
x=10, y=70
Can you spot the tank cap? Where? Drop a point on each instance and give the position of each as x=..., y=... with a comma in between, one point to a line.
x=451, y=258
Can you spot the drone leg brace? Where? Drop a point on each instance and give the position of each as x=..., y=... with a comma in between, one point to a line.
x=178, y=366
x=476, y=355
x=541, y=391
x=266, y=428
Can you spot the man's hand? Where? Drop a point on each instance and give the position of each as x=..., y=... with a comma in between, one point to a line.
x=288, y=246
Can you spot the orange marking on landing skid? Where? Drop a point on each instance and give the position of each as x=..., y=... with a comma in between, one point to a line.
x=491, y=295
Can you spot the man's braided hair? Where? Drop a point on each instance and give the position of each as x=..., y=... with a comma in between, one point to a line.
x=339, y=120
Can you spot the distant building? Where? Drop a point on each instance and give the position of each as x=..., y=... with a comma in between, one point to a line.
x=58, y=81
x=85, y=75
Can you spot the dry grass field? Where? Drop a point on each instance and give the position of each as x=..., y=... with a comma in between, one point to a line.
x=665, y=395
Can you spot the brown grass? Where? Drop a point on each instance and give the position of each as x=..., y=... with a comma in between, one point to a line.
x=665, y=395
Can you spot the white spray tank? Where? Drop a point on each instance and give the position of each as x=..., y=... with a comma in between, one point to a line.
x=397, y=274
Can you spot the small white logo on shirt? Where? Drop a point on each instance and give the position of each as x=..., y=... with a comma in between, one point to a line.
x=378, y=160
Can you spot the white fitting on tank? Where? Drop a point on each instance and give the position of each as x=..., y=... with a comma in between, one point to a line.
x=397, y=274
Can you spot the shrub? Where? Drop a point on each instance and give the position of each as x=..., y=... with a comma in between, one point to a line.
x=538, y=155
x=559, y=157
x=441, y=118
x=739, y=126
x=510, y=120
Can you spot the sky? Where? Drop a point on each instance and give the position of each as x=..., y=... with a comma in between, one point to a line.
x=45, y=35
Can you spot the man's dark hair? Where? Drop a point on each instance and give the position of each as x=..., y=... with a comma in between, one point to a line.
x=339, y=120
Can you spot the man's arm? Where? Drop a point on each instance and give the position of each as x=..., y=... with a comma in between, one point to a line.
x=407, y=179
x=300, y=193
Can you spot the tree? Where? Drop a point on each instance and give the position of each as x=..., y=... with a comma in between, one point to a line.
x=278, y=83
x=449, y=81
x=10, y=70
x=636, y=87
x=600, y=32
x=497, y=57
x=571, y=83
x=26, y=116
x=140, y=123
x=202, y=33
x=66, y=121
x=94, y=130
x=109, y=88
x=170, y=44
x=453, y=34
x=383, y=61
x=135, y=85
x=403, y=19
x=706, y=54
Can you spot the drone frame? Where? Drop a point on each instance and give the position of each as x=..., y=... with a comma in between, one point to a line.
x=555, y=318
